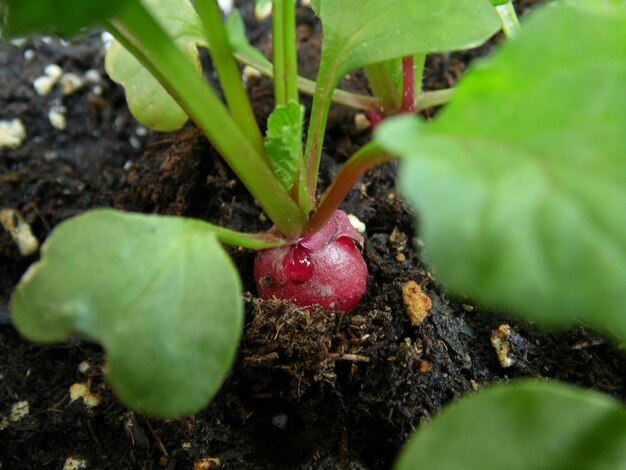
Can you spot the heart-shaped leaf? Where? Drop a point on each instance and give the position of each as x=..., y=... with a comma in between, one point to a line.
x=147, y=100
x=159, y=293
x=520, y=183
x=526, y=425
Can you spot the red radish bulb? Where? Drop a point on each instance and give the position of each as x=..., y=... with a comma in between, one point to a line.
x=325, y=268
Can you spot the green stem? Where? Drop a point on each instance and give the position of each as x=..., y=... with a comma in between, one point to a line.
x=385, y=81
x=291, y=55
x=315, y=138
x=365, y=158
x=510, y=23
x=285, y=56
x=430, y=99
x=278, y=41
x=352, y=100
x=253, y=241
x=141, y=35
x=229, y=73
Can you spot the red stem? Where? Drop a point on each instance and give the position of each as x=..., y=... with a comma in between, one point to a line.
x=369, y=156
x=408, y=93
x=408, y=85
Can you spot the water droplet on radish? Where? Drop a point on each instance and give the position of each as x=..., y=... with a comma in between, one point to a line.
x=298, y=265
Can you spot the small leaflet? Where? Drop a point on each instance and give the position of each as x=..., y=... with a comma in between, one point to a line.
x=284, y=142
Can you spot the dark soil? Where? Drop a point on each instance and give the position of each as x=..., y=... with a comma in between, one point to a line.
x=310, y=389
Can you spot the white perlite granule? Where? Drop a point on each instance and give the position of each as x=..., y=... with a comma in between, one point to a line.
x=12, y=133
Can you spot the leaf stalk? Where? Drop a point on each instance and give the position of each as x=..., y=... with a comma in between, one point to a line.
x=510, y=22
x=365, y=158
x=228, y=73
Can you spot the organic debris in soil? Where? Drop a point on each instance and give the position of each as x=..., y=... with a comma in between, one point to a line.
x=296, y=341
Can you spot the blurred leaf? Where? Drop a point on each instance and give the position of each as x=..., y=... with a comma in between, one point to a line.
x=611, y=7
x=159, y=293
x=520, y=183
x=528, y=425
x=284, y=142
x=66, y=18
x=147, y=100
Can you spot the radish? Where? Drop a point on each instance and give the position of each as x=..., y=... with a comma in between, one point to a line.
x=325, y=268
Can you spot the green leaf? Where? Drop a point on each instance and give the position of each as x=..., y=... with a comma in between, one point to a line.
x=528, y=425
x=147, y=100
x=28, y=16
x=284, y=142
x=354, y=37
x=520, y=184
x=238, y=40
x=159, y=293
